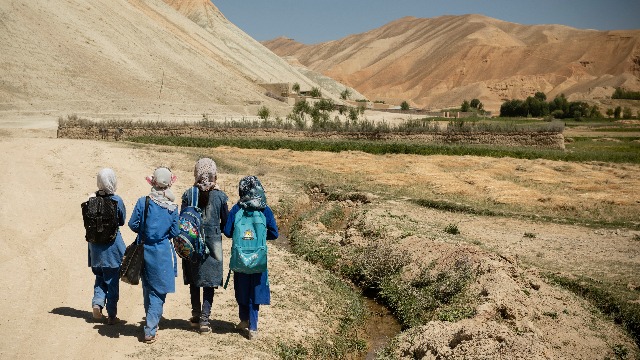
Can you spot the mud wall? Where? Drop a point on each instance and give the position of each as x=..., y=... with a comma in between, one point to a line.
x=546, y=140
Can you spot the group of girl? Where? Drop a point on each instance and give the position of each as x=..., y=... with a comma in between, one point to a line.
x=155, y=218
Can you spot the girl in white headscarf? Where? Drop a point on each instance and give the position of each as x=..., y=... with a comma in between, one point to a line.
x=105, y=259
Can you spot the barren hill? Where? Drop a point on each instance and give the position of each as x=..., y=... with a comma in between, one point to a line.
x=126, y=57
x=438, y=62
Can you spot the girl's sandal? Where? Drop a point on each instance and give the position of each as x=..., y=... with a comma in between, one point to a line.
x=150, y=339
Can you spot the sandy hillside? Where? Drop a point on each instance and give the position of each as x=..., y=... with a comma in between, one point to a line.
x=125, y=58
x=438, y=62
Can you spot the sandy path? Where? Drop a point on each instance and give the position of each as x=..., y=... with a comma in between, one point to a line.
x=47, y=286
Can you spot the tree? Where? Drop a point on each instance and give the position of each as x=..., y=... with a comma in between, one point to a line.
x=263, y=113
x=475, y=103
x=353, y=114
x=301, y=107
x=346, y=94
x=609, y=112
x=296, y=88
x=315, y=92
x=595, y=113
x=326, y=105
x=465, y=106
x=560, y=102
x=540, y=96
x=404, y=106
x=626, y=113
x=616, y=112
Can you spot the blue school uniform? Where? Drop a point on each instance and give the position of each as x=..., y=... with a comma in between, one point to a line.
x=252, y=290
x=105, y=260
x=160, y=269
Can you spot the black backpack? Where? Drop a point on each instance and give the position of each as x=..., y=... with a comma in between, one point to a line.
x=100, y=216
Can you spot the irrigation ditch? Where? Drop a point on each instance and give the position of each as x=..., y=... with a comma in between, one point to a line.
x=378, y=325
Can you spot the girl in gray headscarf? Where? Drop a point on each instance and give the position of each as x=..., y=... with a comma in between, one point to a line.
x=206, y=273
x=105, y=259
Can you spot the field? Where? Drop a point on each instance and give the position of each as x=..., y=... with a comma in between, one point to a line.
x=476, y=255
x=570, y=223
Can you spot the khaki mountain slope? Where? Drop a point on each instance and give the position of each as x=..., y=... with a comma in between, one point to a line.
x=121, y=57
x=438, y=62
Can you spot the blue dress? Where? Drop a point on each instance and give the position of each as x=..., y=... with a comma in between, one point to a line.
x=252, y=288
x=161, y=225
x=109, y=255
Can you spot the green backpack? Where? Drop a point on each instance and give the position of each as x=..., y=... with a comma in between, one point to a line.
x=249, y=243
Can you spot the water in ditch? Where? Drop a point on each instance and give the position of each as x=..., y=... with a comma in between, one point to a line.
x=380, y=327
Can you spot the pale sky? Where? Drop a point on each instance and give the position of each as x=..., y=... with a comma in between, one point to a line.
x=313, y=21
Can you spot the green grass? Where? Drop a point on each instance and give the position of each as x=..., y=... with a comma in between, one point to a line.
x=581, y=150
x=445, y=205
x=617, y=129
x=346, y=342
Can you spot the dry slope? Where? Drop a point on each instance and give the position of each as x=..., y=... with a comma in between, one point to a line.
x=438, y=62
x=114, y=58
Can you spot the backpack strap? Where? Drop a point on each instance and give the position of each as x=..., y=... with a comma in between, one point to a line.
x=226, y=283
x=144, y=217
x=195, y=194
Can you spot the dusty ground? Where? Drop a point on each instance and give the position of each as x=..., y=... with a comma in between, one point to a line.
x=48, y=286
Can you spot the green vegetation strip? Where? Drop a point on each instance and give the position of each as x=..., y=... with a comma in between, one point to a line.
x=337, y=346
x=626, y=151
x=376, y=269
x=621, y=311
x=444, y=205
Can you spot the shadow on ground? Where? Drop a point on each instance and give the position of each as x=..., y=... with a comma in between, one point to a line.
x=122, y=328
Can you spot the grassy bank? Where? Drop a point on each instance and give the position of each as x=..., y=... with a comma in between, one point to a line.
x=376, y=266
x=626, y=150
x=612, y=302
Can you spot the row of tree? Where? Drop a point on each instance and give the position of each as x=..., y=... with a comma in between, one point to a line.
x=621, y=93
x=559, y=108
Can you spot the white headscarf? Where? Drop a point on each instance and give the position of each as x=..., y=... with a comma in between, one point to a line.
x=107, y=182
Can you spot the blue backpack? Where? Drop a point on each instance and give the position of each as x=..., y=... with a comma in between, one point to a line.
x=190, y=243
x=249, y=242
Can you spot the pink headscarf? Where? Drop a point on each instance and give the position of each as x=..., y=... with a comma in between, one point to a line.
x=205, y=173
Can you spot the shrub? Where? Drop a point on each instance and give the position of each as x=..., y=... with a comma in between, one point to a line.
x=315, y=92
x=452, y=229
x=263, y=113
x=373, y=264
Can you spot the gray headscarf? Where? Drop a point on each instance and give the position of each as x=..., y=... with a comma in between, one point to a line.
x=251, y=193
x=107, y=182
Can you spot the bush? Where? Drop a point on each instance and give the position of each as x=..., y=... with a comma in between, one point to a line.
x=315, y=92
x=373, y=264
x=263, y=113
x=452, y=229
